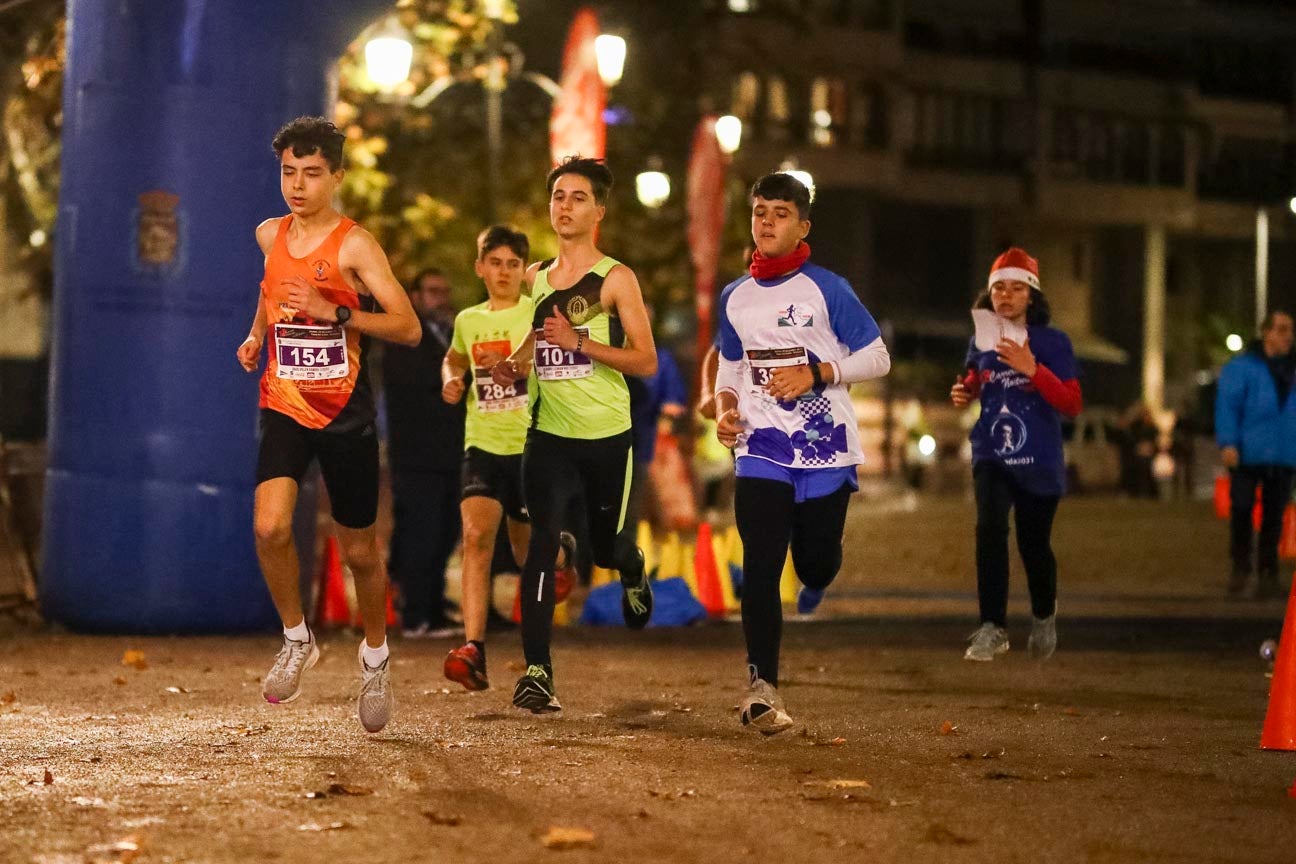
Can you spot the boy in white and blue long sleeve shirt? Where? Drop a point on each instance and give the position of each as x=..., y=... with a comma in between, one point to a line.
x=793, y=336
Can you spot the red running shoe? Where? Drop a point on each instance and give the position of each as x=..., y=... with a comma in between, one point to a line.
x=465, y=666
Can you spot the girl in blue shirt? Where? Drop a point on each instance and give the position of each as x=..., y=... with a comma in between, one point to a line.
x=1017, y=461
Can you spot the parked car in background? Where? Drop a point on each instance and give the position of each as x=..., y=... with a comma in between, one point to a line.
x=1090, y=449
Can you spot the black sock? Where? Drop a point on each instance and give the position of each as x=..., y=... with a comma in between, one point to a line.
x=481, y=649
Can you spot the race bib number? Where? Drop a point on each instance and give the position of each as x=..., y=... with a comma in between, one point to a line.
x=492, y=397
x=763, y=362
x=308, y=352
x=554, y=364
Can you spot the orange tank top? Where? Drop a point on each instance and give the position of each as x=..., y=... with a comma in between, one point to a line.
x=315, y=370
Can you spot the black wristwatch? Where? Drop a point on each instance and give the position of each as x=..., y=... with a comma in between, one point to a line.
x=343, y=315
x=815, y=375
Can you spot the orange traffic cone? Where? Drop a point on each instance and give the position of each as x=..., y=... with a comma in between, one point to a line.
x=393, y=620
x=1222, y=507
x=1287, y=542
x=333, y=609
x=704, y=570
x=1280, y=720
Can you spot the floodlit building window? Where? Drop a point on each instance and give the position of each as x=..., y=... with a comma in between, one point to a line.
x=778, y=108
x=827, y=110
x=746, y=96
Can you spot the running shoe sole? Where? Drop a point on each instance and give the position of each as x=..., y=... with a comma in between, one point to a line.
x=530, y=695
x=770, y=722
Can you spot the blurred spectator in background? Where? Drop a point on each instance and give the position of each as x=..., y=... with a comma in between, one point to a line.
x=656, y=402
x=425, y=449
x=1255, y=427
x=1137, y=439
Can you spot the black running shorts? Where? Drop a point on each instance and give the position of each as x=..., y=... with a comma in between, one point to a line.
x=348, y=462
x=488, y=475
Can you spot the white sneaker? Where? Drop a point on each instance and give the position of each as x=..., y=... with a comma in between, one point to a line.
x=988, y=641
x=763, y=710
x=374, y=708
x=1043, y=638
x=283, y=682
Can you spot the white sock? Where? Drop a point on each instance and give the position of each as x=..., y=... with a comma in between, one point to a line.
x=374, y=657
x=300, y=633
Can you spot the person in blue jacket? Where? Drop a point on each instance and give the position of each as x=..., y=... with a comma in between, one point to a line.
x=1255, y=428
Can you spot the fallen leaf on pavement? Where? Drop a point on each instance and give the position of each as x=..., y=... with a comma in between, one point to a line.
x=948, y=728
x=8, y=698
x=671, y=796
x=441, y=819
x=348, y=789
x=49, y=778
x=119, y=680
x=567, y=838
x=123, y=851
x=944, y=836
x=134, y=658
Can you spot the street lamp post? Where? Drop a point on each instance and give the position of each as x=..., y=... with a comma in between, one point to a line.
x=388, y=55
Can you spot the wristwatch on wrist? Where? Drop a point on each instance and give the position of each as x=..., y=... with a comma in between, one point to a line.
x=343, y=315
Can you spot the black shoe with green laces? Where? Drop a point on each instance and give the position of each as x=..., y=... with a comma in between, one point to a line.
x=637, y=597
x=534, y=691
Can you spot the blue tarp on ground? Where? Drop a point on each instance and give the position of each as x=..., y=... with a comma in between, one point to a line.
x=673, y=605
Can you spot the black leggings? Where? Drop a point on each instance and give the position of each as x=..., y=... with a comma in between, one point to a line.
x=768, y=519
x=1275, y=482
x=556, y=471
x=996, y=494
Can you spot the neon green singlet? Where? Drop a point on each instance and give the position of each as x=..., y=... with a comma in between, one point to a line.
x=578, y=398
x=498, y=417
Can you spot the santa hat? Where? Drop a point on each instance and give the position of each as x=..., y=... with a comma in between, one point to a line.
x=1017, y=265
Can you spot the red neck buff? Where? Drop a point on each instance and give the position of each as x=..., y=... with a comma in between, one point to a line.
x=771, y=268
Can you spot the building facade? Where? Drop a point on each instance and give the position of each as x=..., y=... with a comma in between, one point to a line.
x=1136, y=147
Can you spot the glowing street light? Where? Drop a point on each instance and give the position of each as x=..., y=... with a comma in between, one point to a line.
x=1233, y=342
x=728, y=132
x=927, y=445
x=388, y=55
x=790, y=169
x=652, y=187
x=1291, y=205
x=610, y=53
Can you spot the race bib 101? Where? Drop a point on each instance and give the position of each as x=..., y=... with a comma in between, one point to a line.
x=554, y=364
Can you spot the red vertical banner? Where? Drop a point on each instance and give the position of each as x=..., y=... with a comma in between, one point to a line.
x=707, y=167
x=576, y=125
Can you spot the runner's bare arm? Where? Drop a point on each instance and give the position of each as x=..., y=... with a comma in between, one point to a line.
x=518, y=364
x=361, y=255
x=249, y=350
x=453, y=369
x=621, y=294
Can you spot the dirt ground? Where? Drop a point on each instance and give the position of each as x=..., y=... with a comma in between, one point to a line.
x=1138, y=742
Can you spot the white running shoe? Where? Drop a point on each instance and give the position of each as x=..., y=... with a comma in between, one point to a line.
x=763, y=709
x=1043, y=638
x=374, y=708
x=283, y=682
x=988, y=641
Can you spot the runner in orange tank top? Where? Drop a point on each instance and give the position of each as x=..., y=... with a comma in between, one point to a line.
x=317, y=388
x=323, y=277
